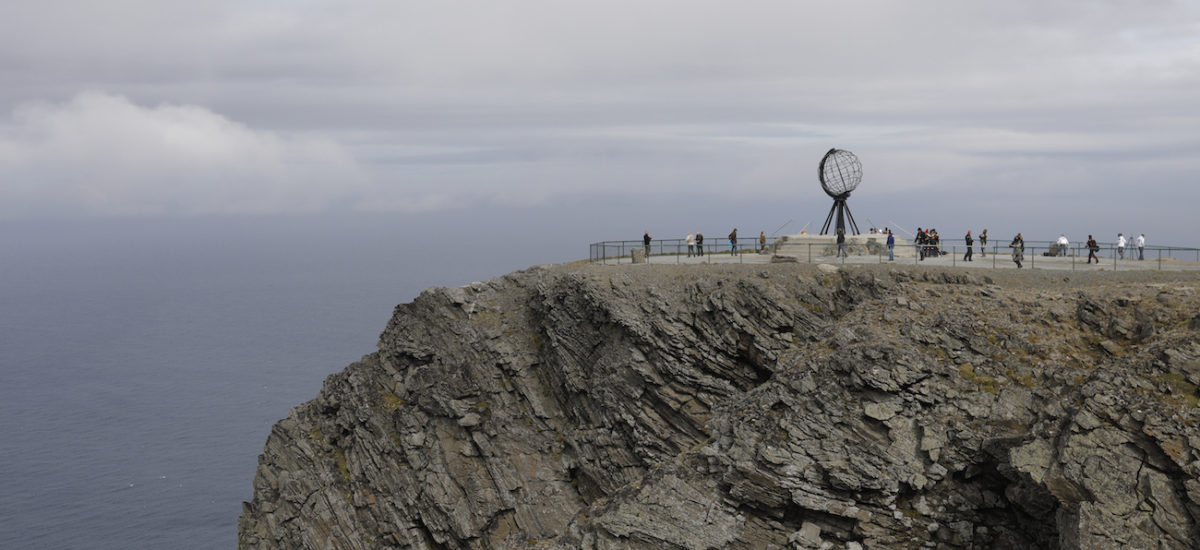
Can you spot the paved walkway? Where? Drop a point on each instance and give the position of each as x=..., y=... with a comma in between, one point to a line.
x=991, y=261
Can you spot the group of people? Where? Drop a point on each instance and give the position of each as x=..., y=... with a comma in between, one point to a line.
x=1018, y=246
x=1140, y=242
x=928, y=244
x=1064, y=246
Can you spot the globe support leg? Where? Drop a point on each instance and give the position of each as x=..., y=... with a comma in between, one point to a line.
x=829, y=219
x=842, y=210
x=850, y=217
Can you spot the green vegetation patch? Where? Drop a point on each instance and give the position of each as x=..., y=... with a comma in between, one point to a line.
x=1180, y=385
x=986, y=383
x=391, y=401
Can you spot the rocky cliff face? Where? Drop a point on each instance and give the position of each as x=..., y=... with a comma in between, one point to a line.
x=754, y=407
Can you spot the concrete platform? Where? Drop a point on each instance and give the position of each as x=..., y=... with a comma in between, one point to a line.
x=871, y=249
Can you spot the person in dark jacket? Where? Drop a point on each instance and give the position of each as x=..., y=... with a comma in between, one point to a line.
x=646, y=243
x=699, y=244
x=1092, y=249
x=1018, y=247
x=841, y=242
x=891, y=244
x=970, y=242
x=733, y=242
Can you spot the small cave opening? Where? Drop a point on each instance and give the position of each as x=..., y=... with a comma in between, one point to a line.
x=755, y=365
x=586, y=487
x=1006, y=509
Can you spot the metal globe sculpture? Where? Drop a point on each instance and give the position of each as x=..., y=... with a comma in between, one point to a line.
x=840, y=173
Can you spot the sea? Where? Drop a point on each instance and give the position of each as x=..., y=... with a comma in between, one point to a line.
x=143, y=362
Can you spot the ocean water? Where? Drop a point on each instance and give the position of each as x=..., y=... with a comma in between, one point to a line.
x=143, y=363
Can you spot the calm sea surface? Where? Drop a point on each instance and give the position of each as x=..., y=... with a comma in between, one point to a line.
x=142, y=364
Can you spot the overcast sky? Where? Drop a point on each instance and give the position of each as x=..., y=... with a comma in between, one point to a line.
x=132, y=108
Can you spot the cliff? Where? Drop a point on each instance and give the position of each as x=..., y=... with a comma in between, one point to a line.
x=731, y=407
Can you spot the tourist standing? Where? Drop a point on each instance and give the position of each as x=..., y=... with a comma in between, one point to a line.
x=1063, y=245
x=1018, y=253
x=1092, y=249
x=1141, y=244
x=970, y=242
x=646, y=243
x=691, y=243
x=733, y=242
x=1121, y=245
x=699, y=244
x=762, y=240
x=891, y=243
x=983, y=244
x=841, y=242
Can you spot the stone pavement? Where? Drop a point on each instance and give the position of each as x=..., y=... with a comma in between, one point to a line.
x=821, y=255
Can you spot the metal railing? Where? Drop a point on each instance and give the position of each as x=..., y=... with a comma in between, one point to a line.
x=1052, y=254
x=1038, y=254
x=614, y=250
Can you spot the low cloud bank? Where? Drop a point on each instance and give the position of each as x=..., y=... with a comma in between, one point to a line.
x=102, y=154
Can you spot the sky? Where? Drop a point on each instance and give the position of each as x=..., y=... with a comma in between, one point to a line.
x=1046, y=116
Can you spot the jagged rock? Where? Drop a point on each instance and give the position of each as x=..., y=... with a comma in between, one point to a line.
x=745, y=407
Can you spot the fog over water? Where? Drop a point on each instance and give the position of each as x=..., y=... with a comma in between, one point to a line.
x=144, y=362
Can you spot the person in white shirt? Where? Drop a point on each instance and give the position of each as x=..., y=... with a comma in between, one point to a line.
x=1063, y=245
x=1121, y=245
x=691, y=242
x=1141, y=244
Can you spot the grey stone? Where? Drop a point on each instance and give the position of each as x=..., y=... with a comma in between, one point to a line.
x=606, y=407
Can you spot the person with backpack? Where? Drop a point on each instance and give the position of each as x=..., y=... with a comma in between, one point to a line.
x=970, y=241
x=1018, y=253
x=1092, y=249
x=733, y=242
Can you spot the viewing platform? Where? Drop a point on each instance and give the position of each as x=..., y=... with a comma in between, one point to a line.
x=870, y=248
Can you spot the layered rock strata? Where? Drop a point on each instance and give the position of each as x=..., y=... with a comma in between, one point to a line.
x=749, y=407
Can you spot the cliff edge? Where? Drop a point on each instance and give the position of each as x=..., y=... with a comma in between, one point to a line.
x=750, y=407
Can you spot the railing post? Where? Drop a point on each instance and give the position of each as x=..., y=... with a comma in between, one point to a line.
x=1160, y=259
x=953, y=255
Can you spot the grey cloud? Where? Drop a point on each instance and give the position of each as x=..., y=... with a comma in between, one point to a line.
x=435, y=104
x=101, y=154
